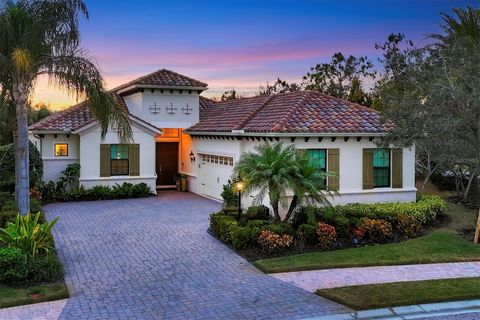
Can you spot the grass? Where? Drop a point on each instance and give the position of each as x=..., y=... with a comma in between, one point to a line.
x=372, y=296
x=438, y=246
x=14, y=296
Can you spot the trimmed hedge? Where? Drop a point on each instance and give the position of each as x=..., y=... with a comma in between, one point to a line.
x=52, y=192
x=13, y=265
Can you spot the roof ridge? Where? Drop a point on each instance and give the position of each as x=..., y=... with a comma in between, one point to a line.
x=281, y=124
x=250, y=117
x=343, y=100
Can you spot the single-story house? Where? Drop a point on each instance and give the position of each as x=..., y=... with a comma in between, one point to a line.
x=175, y=129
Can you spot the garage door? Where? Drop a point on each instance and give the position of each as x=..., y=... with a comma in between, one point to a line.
x=214, y=172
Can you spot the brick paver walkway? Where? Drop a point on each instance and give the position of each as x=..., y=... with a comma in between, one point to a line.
x=39, y=311
x=333, y=278
x=153, y=259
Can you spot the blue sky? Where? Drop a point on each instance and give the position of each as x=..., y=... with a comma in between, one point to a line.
x=242, y=44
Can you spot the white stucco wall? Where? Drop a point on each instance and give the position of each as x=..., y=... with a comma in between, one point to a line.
x=54, y=165
x=351, y=157
x=90, y=158
x=139, y=104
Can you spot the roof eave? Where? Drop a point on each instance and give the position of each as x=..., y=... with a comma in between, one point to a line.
x=150, y=86
x=285, y=134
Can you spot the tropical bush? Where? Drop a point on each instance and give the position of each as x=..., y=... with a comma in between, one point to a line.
x=13, y=265
x=327, y=236
x=28, y=235
x=46, y=268
x=229, y=196
x=7, y=167
x=271, y=241
x=375, y=230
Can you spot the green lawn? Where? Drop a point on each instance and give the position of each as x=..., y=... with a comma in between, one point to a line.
x=438, y=246
x=14, y=296
x=404, y=293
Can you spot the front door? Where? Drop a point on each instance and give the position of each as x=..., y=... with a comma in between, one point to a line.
x=166, y=162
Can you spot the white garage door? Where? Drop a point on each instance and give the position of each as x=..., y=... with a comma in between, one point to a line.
x=214, y=172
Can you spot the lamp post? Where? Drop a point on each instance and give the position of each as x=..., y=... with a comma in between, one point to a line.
x=240, y=187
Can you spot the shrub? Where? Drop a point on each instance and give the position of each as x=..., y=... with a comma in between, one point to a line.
x=7, y=167
x=280, y=228
x=271, y=241
x=376, y=230
x=4, y=197
x=230, y=197
x=327, y=236
x=70, y=176
x=28, y=235
x=35, y=205
x=258, y=213
x=13, y=265
x=6, y=217
x=232, y=211
x=309, y=232
x=257, y=223
x=47, y=268
x=10, y=205
x=406, y=226
x=215, y=220
x=225, y=229
x=244, y=237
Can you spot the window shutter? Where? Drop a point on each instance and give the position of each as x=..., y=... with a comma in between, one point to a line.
x=104, y=160
x=368, y=168
x=333, y=166
x=397, y=168
x=134, y=159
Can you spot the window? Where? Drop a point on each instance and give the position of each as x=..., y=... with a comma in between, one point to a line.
x=61, y=149
x=226, y=161
x=119, y=159
x=381, y=168
x=318, y=158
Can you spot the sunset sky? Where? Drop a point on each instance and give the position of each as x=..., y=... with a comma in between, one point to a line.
x=240, y=44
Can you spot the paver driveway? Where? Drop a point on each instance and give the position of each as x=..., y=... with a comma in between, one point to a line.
x=153, y=259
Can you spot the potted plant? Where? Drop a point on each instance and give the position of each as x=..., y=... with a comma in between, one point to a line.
x=177, y=178
x=184, y=182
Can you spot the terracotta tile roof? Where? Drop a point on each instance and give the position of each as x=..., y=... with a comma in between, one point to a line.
x=66, y=120
x=296, y=112
x=167, y=78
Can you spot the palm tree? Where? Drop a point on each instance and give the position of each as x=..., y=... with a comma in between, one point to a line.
x=308, y=186
x=42, y=38
x=465, y=27
x=274, y=169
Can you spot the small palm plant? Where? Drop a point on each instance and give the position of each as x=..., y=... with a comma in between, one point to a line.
x=28, y=235
x=275, y=169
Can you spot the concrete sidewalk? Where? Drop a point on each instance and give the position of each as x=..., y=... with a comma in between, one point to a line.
x=412, y=312
x=342, y=277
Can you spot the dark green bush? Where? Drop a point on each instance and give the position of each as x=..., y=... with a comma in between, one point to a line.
x=13, y=265
x=7, y=167
x=232, y=211
x=216, y=222
x=230, y=197
x=257, y=223
x=280, y=228
x=309, y=232
x=258, y=213
x=35, y=205
x=46, y=268
x=244, y=237
x=5, y=197
x=6, y=217
x=10, y=205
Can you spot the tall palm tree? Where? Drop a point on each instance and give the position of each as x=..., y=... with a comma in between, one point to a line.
x=275, y=169
x=42, y=38
x=464, y=26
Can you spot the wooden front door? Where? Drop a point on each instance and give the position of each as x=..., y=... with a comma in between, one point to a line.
x=166, y=162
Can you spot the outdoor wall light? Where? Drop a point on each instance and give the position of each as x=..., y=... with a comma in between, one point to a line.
x=192, y=157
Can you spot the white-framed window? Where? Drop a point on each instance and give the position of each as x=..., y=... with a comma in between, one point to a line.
x=222, y=160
